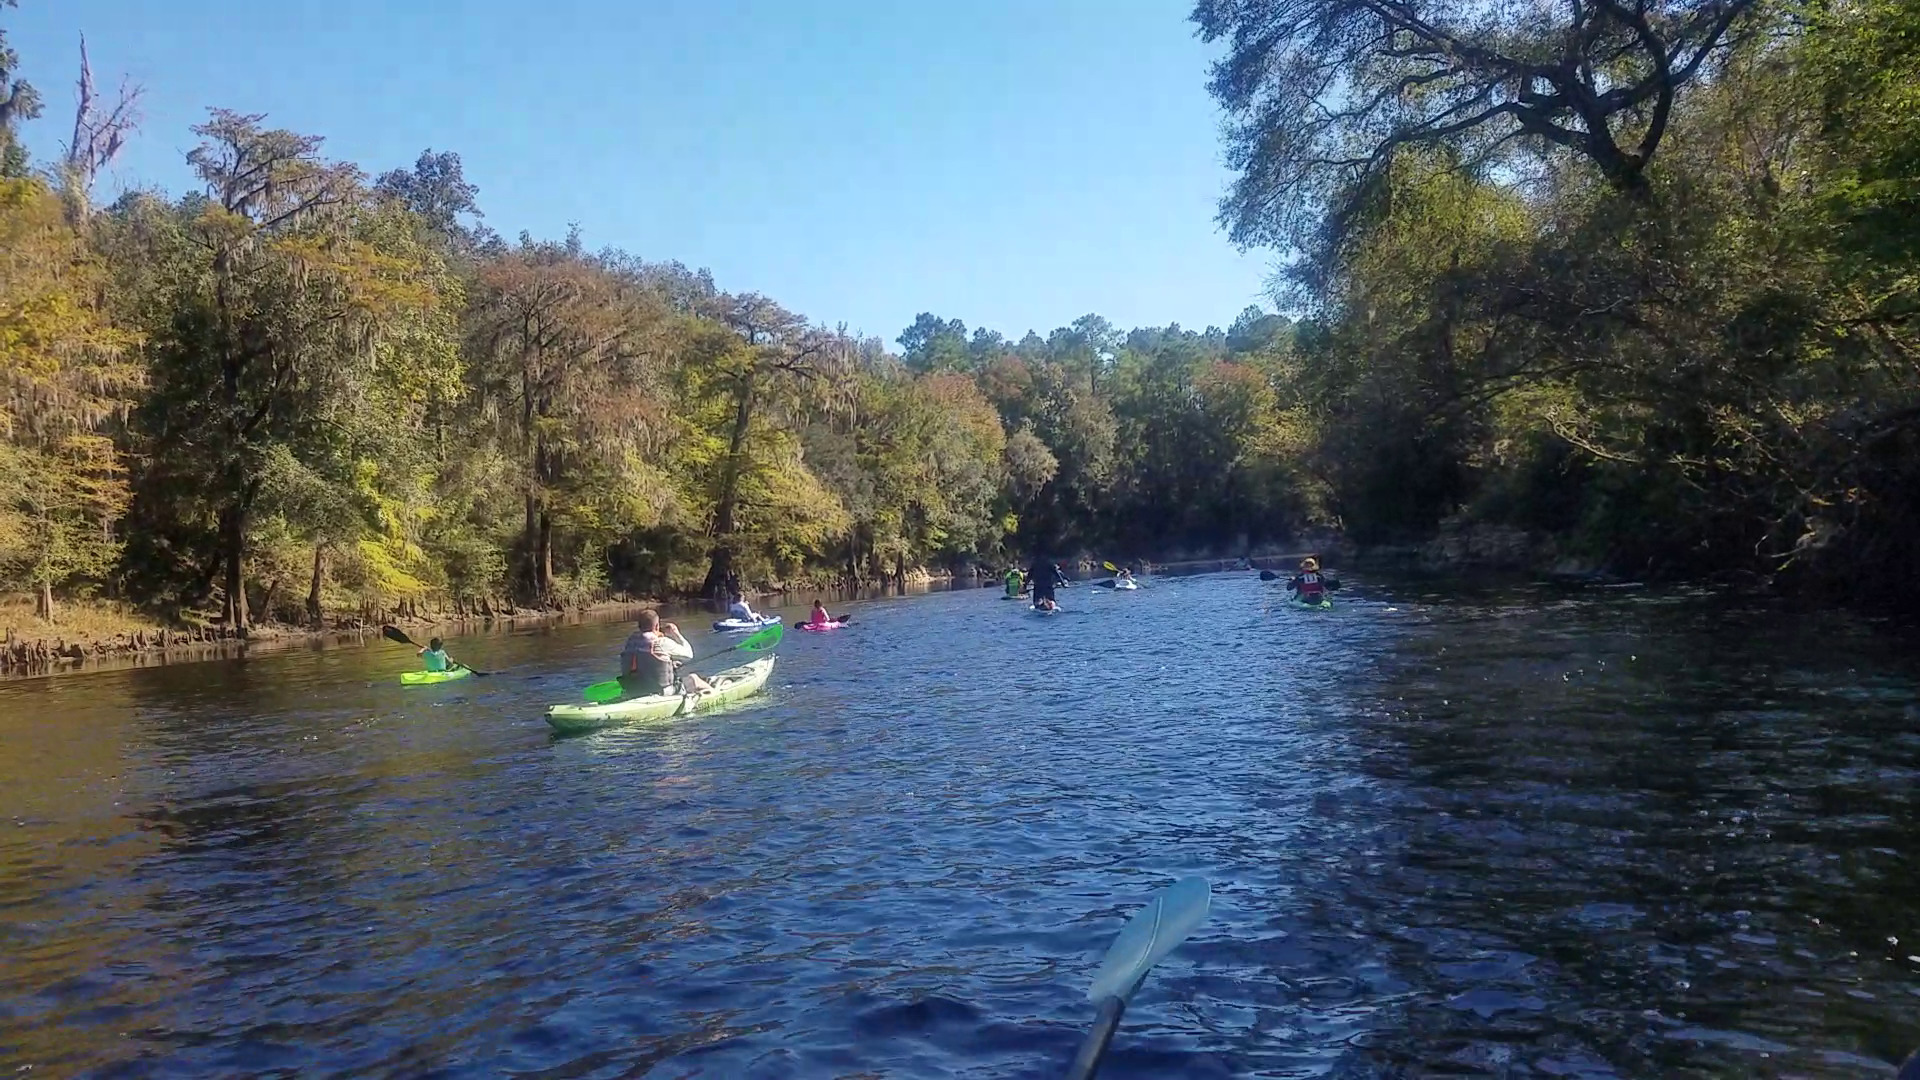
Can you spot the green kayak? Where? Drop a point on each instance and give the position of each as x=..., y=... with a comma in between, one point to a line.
x=730, y=685
x=422, y=678
x=1325, y=604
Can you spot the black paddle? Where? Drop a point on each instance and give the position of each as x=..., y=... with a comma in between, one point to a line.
x=394, y=633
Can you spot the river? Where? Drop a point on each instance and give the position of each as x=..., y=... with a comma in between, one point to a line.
x=1508, y=832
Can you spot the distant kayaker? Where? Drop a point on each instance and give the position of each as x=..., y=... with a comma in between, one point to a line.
x=1045, y=604
x=1308, y=586
x=1124, y=577
x=1015, y=583
x=1042, y=576
x=742, y=610
x=819, y=616
x=648, y=659
x=434, y=656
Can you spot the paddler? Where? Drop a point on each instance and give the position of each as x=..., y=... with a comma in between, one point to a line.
x=741, y=610
x=1042, y=576
x=435, y=656
x=1124, y=577
x=1308, y=586
x=819, y=616
x=648, y=659
x=1015, y=583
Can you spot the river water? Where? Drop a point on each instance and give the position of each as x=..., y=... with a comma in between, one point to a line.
x=1517, y=833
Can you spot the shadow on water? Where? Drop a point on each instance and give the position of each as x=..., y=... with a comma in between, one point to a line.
x=1500, y=832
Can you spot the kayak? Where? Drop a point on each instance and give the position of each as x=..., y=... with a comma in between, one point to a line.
x=1325, y=604
x=1125, y=585
x=424, y=678
x=823, y=627
x=738, y=626
x=1043, y=611
x=730, y=685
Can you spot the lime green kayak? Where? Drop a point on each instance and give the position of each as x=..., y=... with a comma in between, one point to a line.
x=1325, y=604
x=422, y=678
x=730, y=685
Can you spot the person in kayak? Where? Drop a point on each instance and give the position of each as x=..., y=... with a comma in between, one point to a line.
x=819, y=616
x=1041, y=578
x=1015, y=583
x=435, y=656
x=1307, y=585
x=1124, y=577
x=1045, y=604
x=651, y=653
x=740, y=609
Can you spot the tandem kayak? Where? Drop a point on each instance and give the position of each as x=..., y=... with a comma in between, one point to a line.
x=424, y=678
x=730, y=685
x=739, y=626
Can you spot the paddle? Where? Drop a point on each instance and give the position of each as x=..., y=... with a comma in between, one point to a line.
x=1172, y=914
x=602, y=692
x=394, y=633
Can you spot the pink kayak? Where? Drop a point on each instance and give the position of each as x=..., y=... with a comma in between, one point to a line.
x=823, y=627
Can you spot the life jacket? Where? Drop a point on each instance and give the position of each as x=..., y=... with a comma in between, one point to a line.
x=649, y=665
x=1310, y=584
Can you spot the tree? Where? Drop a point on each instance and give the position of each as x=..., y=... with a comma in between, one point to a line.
x=19, y=101
x=65, y=377
x=773, y=355
x=97, y=138
x=1321, y=94
x=933, y=345
x=567, y=355
x=276, y=319
x=437, y=192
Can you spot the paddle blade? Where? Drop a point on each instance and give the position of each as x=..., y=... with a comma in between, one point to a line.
x=762, y=639
x=1111, y=569
x=602, y=692
x=1172, y=914
x=394, y=633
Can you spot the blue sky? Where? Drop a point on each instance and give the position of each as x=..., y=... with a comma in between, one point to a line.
x=1012, y=163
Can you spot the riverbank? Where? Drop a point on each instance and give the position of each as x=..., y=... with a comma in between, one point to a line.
x=103, y=636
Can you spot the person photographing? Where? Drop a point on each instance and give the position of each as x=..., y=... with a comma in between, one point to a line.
x=652, y=653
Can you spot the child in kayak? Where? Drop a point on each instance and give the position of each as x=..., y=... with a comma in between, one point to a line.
x=435, y=656
x=1308, y=586
x=650, y=655
x=740, y=609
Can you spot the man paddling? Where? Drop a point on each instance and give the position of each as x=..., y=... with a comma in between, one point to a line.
x=742, y=610
x=650, y=655
x=1042, y=577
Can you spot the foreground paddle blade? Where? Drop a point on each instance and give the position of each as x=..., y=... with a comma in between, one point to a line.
x=1172, y=914
x=394, y=633
x=602, y=692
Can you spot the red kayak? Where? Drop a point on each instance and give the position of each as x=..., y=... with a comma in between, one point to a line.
x=823, y=627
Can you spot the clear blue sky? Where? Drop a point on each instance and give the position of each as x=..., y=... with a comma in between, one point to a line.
x=1012, y=163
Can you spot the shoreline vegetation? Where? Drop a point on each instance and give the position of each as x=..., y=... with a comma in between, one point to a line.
x=1675, y=336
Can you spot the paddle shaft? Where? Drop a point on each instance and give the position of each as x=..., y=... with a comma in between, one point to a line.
x=1094, y=1047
